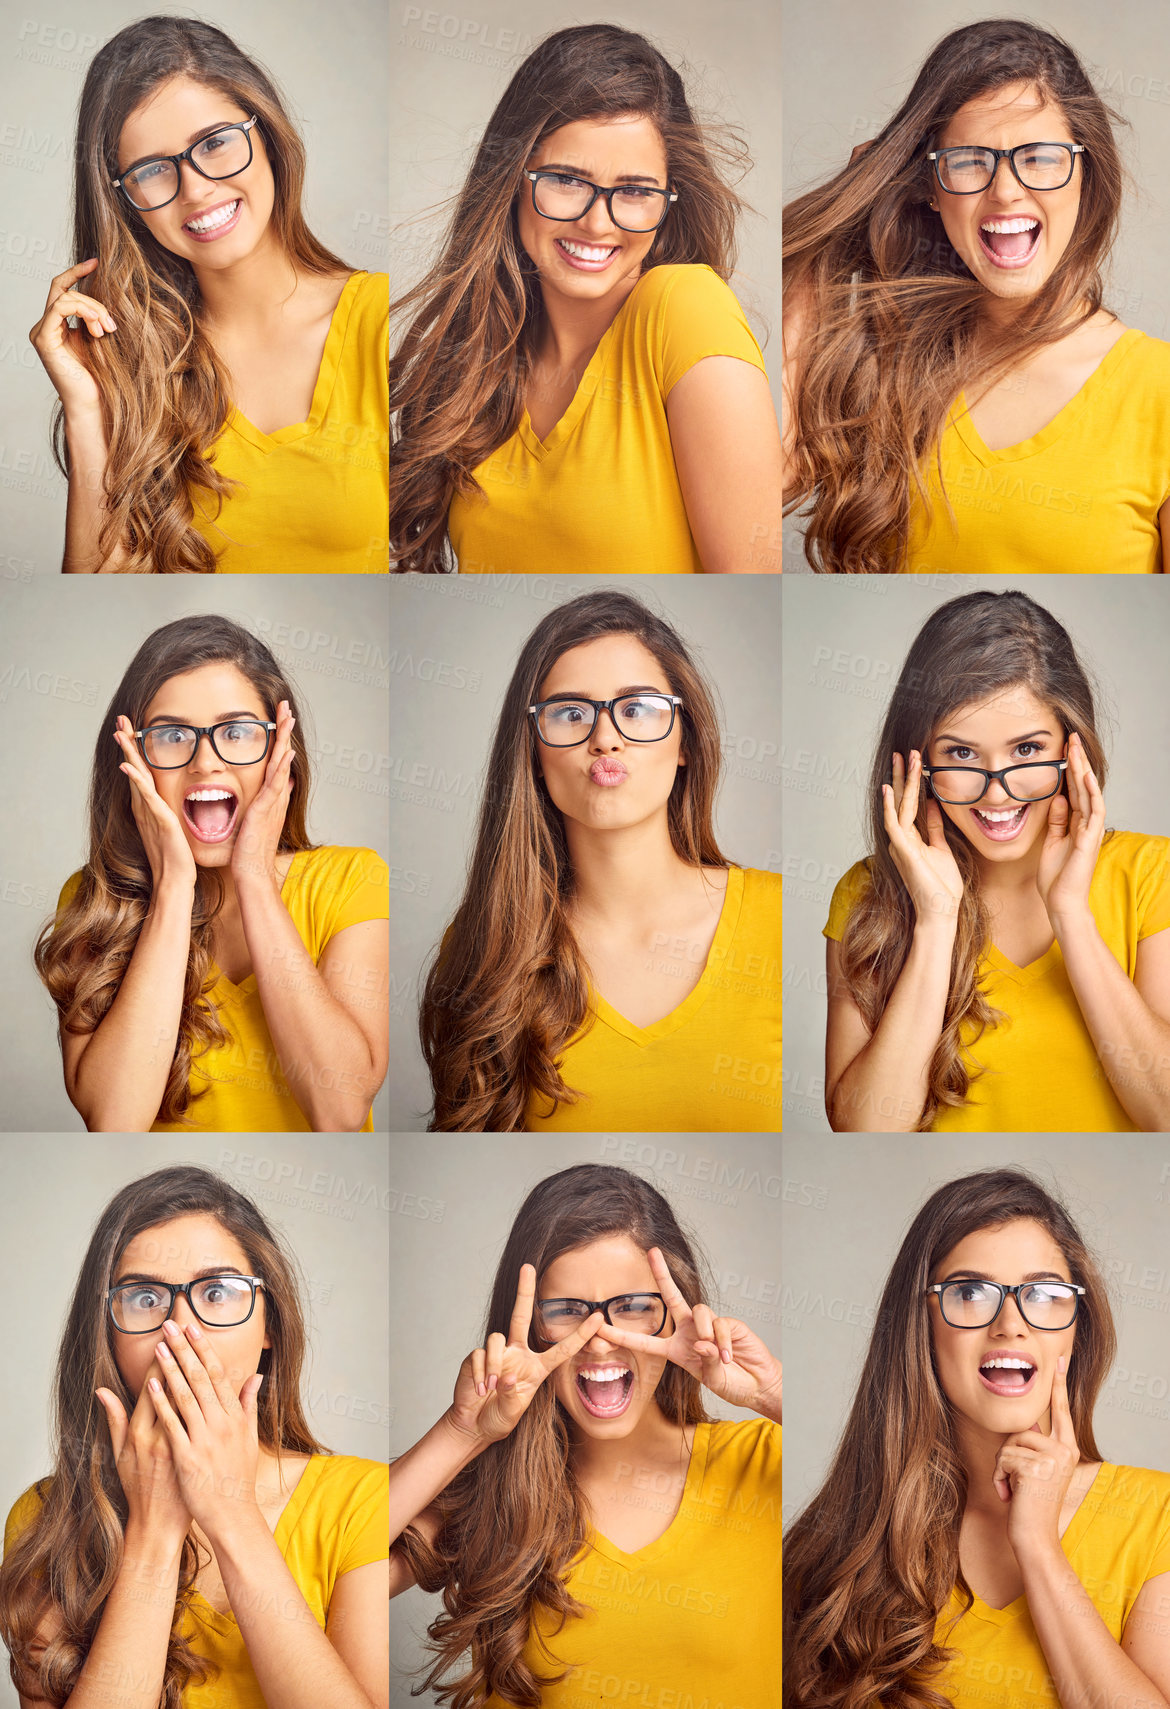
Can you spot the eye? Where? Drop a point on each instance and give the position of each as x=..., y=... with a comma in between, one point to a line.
x=566, y=181
x=236, y=732
x=958, y=752
x=1029, y=749
x=637, y=192
x=169, y=733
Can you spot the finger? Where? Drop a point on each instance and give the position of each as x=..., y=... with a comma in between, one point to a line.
x=521, y=1321
x=1003, y=1485
x=495, y=1358
x=936, y=834
x=723, y=1339
x=166, y=1414
x=1062, y=1424
x=562, y=1350
x=249, y=1400
x=667, y=1286
x=205, y=1371
x=890, y=816
x=116, y=1419
x=636, y=1341
x=704, y=1323
x=77, y=271
x=898, y=772
x=908, y=806
x=179, y=1389
x=477, y=1371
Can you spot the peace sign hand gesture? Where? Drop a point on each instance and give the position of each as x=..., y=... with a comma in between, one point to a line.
x=496, y=1383
x=724, y=1354
x=1033, y=1472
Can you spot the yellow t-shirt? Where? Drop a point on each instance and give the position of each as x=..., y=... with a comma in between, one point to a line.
x=601, y=495
x=1042, y=1074
x=1082, y=495
x=337, y=1519
x=315, y=496
x=325, y=890
x=713, y=1064
x=1118, y=1539
x=694, y=1618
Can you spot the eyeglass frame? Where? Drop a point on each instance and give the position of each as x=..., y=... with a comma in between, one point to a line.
x=177, y=160
x=600, y=706
x=1004, y=1290
x=201, y=730
x=996, y=777
x=1008, y=154
x=609, y=191
x=603, y=1305
x=177, y=1288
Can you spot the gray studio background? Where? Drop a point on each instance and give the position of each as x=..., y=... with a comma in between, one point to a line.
x=845, y=639
x=329, y=1199
x=330, y=64
x=66, y=644
x=842, y=1229
x=838, y=95
x=449, y=69
x=454, y=655
x=456, y=1198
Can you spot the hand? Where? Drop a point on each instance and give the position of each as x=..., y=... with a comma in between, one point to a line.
x=146, y=1467
x=496, y=1383
x=1076, y=826
x=725, y=1355
x=163, y=838
x=928, y=869
x=258, y=838
x=211, y=1430
x=62, y=348
x=1033, y=1472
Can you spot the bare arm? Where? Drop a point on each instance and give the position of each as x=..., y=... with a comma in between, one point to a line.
x=726, y=444
x=85, y=509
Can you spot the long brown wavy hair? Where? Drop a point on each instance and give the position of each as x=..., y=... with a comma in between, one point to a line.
x=872, y=1560
x=68, y=1558
x=890, y=313
x=164, y=390
x=514, y=1520
x=458, y=378
x=82, y=954
x=967, y=650
x=508, y=987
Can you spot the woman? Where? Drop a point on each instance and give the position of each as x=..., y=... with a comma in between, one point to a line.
x=607, y=968
x=225, y=406
x=213, y=969
x=957, y=396
x=578, y=385
x=201, y=1498
x=969, y=1545
x=1000, y=962
x=553, y=1426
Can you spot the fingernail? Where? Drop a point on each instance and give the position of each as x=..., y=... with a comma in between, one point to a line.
x=171, y=1328
x=194, y=1331
x=491, y=1383
x=163, y=1350
x=725, y=1354
x=480, y=1390
x=156, y=1385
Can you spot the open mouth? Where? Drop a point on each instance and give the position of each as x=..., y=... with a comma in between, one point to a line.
x=588, y=257
x=605, y=1391
x=1001, y=827
x=1007, y=1374
x=215, y=222
x=1010, y=243
x=210, y=813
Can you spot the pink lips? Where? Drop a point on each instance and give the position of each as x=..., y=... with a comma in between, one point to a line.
x=1010, y=263
x=608, y=772
x=219, y=230
x=1010, y=1391
x=579, y=261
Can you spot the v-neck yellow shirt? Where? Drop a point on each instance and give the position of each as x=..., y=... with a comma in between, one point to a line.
x=1041, y=1071
x=710, y=1066
x=1118, y=1538
x=600, y=495
x=693, y=1619
x=314, y=497
x=1082, y=496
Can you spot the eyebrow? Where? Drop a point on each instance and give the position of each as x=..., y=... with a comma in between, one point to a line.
x=196, y=136
x=622, y=178
x=966, y=743
x=579, y=694
x=982, y=1276
x=160, y=1282
x=164, y=718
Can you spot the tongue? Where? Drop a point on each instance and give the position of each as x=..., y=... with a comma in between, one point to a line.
x=1008, y=1379
x=1010, y=244
x=610, y=1393
x=210, y=817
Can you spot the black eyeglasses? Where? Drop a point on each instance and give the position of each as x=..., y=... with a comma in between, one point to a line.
x=1041, y=779
x=975, y=1303
x=643, y=1313
x=563, y=196
x=221, y=1302
x=168, y=747
x=223, y=154
x=568, y=720
x=1035, y=165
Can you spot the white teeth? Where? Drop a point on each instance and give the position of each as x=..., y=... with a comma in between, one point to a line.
x=999, y=818
x=221, y=216
x=1007, y=1365
x=587, y=251
x=209, y=795
x=606, y=1375
x=1008, y=225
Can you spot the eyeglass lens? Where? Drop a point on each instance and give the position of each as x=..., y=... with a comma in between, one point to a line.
x=1040, y=166
x=639, y=717
x=643, y=1313
x=635, y=206
x=170, y=745
x=218, y=1300
x=960, y=787
x=1045, y=1305
x=220, y=155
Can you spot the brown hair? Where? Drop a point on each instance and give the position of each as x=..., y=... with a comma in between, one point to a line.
x=82, y=954
x=458, y=378
x=509, y=987
x=69, y=1555
x=163, y=388
x=872, y=1560
x=890, y=312
x=967, y=650
x=492, y=1579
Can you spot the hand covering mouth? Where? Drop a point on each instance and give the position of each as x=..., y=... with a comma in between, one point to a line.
x=210, y=810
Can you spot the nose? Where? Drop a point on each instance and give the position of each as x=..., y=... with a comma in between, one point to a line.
x=597, y=221
x=1005, y=186
x=1011, y=1320
x=606, y=735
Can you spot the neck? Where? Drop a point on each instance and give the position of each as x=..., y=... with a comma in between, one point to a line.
x=978, y=1450
x=623, y=876
x=252, y=292
x=572, y=328
x=653, y=1441
x=1011, y=879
